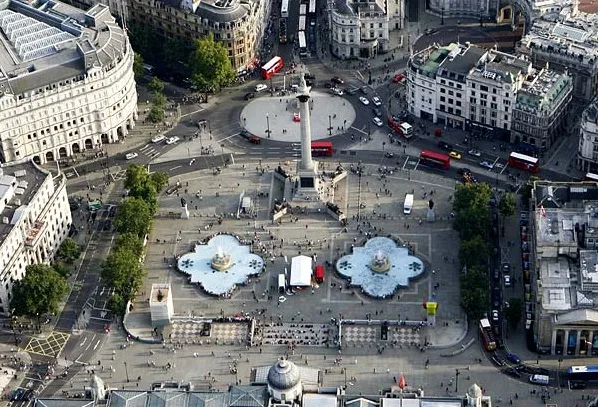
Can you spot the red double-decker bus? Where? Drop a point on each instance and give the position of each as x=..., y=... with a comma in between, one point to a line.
x=524, y=162
x=272, y=67
x=487, y=335
x=434, y=159
x=321, y=148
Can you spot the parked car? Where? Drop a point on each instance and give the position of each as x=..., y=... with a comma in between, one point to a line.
x=338, y=92
x=512, y=372
x=456, y=155
x=486, y=164
x=377, y=112
x=364, y=100
x=475, y=153
x=158, y=138
x=377, y=121
x=249, y=95
x=511, y=357
x=172, y=140
x=398, y=78
x=130, y=156
x=337, y=80
x=376, y=101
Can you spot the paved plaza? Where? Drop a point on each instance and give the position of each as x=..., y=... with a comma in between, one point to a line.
x=327, y=111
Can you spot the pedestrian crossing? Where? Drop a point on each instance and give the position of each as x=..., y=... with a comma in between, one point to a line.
x=150, y=150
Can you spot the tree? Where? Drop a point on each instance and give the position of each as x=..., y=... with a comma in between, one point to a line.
x=155, y=115
x=62, y=269
x=145, y=186
x=138, y=66
x=513, y=313
x=474, y=292
x=507, y=204
x=130, y=242
x=156, y=86
x=209, y=63
x=133, y=216
x=39, y=292
x=159, y=180
x=474, y=252
x=123, y=271
x=159, y=100
x=472, y=216
x=69, y=251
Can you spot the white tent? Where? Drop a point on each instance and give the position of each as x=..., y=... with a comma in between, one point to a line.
x=300, y=271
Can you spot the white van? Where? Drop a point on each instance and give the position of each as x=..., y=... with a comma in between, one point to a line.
x=260, y=87
x=539, y=379
x=408, y=205
x=282, y=283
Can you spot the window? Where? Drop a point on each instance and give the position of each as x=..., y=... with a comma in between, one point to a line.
x=442, y=99
x=442, y=90
x=442, y=108
x=472, y=101
x=484, y=88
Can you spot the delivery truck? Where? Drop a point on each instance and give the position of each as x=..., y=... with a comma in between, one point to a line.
x=408, y=205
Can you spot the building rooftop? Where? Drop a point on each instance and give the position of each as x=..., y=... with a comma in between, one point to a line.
x=501, y=67
x=543, y=89
x=354, y=7
x=18, y=184
x=460, y=61
x=572, y=34
x=428, y=61
x=44, y=42
x=220, y=11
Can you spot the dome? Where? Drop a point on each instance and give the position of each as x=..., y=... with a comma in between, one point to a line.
x=283, y=375
x=474, y=391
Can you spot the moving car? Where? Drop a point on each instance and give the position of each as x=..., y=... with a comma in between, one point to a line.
x=130, y=156
x=495, y=315
x=250, y=137
x=376, y=101
x=260, y=87
x=388, y=154
x=338, y=92
x=158, y=138
x=338, y=80
x=507, y=280
x=456, y=155
x=377, y=121
x=506, y=268
x=172, y=140
x=364, y=100
x=249, y=95
x=445, y=146
x=475, y=153
x=398, y=78
x=430, y=31
x=486, y=164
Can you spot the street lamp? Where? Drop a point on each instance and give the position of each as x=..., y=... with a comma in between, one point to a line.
x=442, y=16
x=457, y=373
x=268, y=125
x=126, y=371
x=330, y=125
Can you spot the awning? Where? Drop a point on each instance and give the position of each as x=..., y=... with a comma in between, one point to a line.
x=300, y=271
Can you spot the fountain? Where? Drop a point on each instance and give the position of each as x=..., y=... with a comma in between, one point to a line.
x=221, y=261
x=380, y=263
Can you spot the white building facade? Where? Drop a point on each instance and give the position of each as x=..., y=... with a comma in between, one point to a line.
x=35, y=218
x=361, y=29
x=587, y=152
x=71, y=93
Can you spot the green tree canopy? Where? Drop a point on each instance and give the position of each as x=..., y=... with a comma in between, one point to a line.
x=507, y=205
x=123, y=271
x=472, y=216
x=513, y=313
x=209, y=63
x=156, y=86
x=138, y=66
x=62, y=269
x=474, y=252
x=69, y=251
x=133, y=216
x=145, y=186
x=39, y=292
x=130, y=242
x=474, y=292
